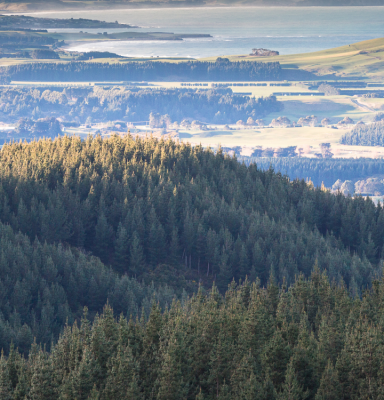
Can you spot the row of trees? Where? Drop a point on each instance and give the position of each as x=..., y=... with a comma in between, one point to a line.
x=325, y=170
x=221, y=70
x=313, y=341
x=365, y=135
x=118, y=103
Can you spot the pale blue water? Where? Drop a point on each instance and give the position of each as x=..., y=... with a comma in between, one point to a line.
x=238, y=30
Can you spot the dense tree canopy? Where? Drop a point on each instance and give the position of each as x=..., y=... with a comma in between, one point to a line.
x=126, y=200
x=313, y=341
x=319, y=171
x=44, y=286
x=147, y=227
x=221, y=70
x=365, y=135
x=100, y=105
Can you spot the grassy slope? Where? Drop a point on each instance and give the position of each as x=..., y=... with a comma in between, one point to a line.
x=363, y=59
x=359, y=60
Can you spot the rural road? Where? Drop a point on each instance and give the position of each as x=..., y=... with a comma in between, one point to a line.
x=363, y=106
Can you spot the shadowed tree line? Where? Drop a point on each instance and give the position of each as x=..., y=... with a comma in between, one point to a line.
x=220, y=70
x=100, y=105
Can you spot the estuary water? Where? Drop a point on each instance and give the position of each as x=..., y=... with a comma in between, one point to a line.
x=237, y=30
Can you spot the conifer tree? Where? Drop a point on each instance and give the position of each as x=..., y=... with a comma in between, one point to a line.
x=224, y=393
x=122, y=376
x=136, y=255
x=5, y=381
x=83, y=377
x=14, y=363
x=244, y=383
x=103, y=237
x=94, y=395
x=174, y=249
x=291, y=390
x=121, y=260
x=200, y=396
x=329, y=385
x=275, y=358
x=23, y=385
x=133, y=391
x=171, y=385
x=43, y=383
x=225, y=274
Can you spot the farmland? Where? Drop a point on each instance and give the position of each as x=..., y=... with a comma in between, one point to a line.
x=362, y=60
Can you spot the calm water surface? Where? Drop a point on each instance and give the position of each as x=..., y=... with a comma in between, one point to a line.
x=238, y=30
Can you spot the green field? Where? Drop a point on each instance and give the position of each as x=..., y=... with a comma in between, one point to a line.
x=333, y=107
x=362, y=60
x=358, y=60
x=307, y=138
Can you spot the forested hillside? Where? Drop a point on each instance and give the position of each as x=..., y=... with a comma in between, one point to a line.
x=313, y=341
x=128, y=200
x=44, y=286
x=365, y=135
x=221, y=70
x=143, y=225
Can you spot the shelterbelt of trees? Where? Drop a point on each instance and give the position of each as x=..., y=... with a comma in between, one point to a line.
x=98, y=104
x=313, y=341
x=365, y=135
x=319, y=171
x=221, y=70
x=82, y=220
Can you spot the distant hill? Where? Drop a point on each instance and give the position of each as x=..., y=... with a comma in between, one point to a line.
x=20, y=6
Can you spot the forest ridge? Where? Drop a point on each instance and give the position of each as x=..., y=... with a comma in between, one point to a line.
x=86, y=222
x=159, y=232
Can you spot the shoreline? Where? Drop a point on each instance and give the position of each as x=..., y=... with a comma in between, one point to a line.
x=73, y=45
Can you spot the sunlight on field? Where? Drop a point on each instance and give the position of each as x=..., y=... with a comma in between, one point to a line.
x=363, y=59
x=308, y=138
x=266, y=137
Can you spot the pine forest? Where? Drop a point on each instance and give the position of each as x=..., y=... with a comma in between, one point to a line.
x=152, y=269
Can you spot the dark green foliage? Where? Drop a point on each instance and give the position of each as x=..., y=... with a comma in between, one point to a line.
x=153, y=71
x=121, y=260
x=138, y=204
x=173, y=215
x=43, y=286
x=199, y=350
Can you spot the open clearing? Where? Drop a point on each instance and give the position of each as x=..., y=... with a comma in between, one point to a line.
x=308, y=138
x=333, y=107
